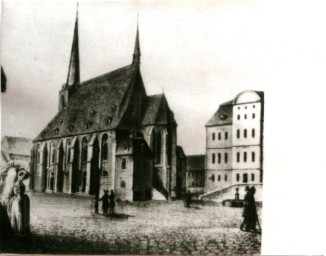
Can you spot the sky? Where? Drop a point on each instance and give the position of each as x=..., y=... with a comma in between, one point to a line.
x=200, y=53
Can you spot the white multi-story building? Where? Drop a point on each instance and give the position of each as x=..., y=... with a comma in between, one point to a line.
x=234, y=143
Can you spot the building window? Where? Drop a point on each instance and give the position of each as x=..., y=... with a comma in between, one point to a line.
x=253, y=156
x=213, y=158
x=105, y=147
x=105, y=173
x=253, y=106
x=238, y=107
x=84, y=150
x=245, y=156
x=252, y=177
x=245, y=178
x=245, y=133
x=219, y=136
x=68, y=149
x=238, y=157
x=63, y=103
x=123, y=164
x=213, y=136
x=52, y=151
x=225, y=157
x=226, y=135
x=238, y=177
x=219, y=178
x=245, y=107
x=219, y=158
x=253, y=115
x=253, y=133
x=238, y=133
x=238, y=117
x=123, y=184
x=245, y=116
x=225, y=177
x=213, y=178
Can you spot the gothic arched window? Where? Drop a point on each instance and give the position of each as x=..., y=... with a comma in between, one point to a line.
x=53, y=153
x=105, y=147
x=84, y=150
x=68, y=150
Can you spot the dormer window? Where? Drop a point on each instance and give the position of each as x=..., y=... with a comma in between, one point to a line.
x=125, y=147
x=56, y=131
x=108, y=121
x=93, y=113
x=71, y=127
x=88, y=124
x=222, y=117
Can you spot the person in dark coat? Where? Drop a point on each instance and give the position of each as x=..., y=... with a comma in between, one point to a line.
x=188, y=199
x=253, y=216
x=112, y=202
x=246, y=210
x=105, y=202
x=96, y=203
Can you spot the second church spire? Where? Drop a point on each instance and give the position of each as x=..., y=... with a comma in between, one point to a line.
x=73, y=78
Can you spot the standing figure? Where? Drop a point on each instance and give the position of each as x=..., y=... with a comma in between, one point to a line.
x=253, y=216
x=246, y=210
x=112, y=202
x=237, y=194
x=96, y=203
x=188, y=199
x=105, y=202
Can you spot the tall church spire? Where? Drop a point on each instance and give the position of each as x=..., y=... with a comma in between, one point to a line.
x=73, y=78
x=137, y=54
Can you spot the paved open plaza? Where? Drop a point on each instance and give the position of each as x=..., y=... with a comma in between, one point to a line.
x=61, y=224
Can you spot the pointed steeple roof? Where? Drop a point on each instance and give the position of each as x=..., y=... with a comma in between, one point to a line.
x=73, y=78
x=137, y=54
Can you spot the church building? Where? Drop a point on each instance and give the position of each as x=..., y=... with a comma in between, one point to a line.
x=108, y=134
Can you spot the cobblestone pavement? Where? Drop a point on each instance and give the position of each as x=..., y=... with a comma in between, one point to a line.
x=68, y=225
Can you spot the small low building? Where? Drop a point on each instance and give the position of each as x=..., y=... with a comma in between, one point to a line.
x=195, y=175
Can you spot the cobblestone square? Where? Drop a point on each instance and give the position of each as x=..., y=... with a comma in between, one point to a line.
x=68, y=225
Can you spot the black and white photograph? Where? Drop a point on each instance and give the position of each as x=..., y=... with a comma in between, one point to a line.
x=132, y=127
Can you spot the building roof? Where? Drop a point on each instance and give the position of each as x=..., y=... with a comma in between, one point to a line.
x=96, y=105
x=223, y=116
x=156, y=111
x=196, y=163
x=180, y=153
x=16, y=146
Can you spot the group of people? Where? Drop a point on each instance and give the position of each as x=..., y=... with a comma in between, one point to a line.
x=108, y=203
x=250, y=216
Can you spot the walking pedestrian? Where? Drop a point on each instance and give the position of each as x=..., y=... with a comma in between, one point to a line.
x=246, y=210
x=96, y=203
x=188, y=199
x=253, y=216
x=105, y=202
x=112, y=202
